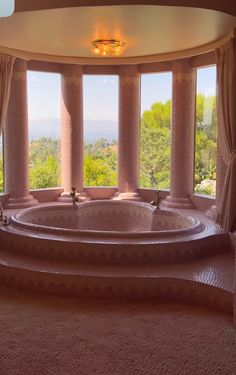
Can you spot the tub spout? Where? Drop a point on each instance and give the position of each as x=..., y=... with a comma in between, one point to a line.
x=156, y=202
x=74, y=195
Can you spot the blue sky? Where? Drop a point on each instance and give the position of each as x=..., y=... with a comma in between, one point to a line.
x=154, y=88
x=100, y=97
x=6, y=7
x=43, y=95
x=206, y=81
x=101, y=93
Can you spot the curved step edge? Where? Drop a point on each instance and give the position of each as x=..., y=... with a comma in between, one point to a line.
x=117, y=287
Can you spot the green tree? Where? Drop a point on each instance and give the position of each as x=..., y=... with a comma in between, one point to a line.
x=44, y=174
x=205, y=144
x=97, y=172
x=155, y=146
x=100, y=163
x=44, y=157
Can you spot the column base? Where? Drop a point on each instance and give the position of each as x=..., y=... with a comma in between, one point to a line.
x=66, y=197
x=23, y=202
x=211, y=212
x=173, y=202
x=131, y=196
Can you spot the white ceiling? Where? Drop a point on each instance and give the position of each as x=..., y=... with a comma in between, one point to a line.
x=147, y=30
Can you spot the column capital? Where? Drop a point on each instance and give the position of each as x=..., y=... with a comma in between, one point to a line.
x=72, y=75
x=181, y=65
x=183, y=72
x=72, y=69
x=128, y=71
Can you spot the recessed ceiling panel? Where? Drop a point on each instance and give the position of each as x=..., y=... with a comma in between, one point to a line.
x=147, y=30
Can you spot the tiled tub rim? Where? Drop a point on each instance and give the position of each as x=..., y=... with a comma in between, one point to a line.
x=194, y=225
x=116, y=250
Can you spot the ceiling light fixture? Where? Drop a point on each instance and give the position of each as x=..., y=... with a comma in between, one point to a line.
x=107, y=47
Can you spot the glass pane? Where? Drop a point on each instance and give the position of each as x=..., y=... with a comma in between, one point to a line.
x=100, y=130
x=205, y=134
x=44, y=129
x=7, y=8
x=156, y=95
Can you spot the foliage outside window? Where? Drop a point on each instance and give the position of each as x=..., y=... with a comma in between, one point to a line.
x=100, y=130
x=44, y=129
x=205, y=134
x=1, y=167
x=156, y=93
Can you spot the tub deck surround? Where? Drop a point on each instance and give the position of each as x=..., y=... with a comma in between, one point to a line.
x=198, y=267
x=129, y=196
x=112, y=232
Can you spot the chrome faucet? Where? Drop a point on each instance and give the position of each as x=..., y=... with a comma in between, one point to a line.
x=74, y=195
x=156, y=202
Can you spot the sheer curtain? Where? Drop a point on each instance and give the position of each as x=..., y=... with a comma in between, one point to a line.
x=6, y=65
x=226, y=78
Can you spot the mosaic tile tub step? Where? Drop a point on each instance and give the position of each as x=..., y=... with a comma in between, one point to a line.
x=109, y=249
x=113, y=232
x=208, y=281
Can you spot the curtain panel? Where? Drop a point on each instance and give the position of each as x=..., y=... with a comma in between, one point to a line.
x=226, y=110
x=6, y=65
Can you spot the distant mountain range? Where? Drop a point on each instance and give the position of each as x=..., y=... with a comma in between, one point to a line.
x=93, y=129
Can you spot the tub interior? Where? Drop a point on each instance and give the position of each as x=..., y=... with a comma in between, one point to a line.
x=105, y=216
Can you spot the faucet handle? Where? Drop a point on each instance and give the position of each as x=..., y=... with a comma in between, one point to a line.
x=73, y=191
x=5, y=220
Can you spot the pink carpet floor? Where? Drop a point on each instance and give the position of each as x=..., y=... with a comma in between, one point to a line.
x=51, y=335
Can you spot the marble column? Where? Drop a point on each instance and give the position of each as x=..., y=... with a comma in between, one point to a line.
x=129, y=123
x=182, y=136
x=72, y=131
x=16, y=143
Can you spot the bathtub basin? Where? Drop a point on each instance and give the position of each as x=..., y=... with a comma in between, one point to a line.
x=106, y=218
x=105, y=232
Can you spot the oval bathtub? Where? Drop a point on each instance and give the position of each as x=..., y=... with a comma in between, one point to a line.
x=105, y=231
x=106, y=218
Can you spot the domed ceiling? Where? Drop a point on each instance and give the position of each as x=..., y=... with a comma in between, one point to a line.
x=149, y=31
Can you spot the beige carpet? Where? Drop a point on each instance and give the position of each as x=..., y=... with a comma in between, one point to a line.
x=52, y=335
